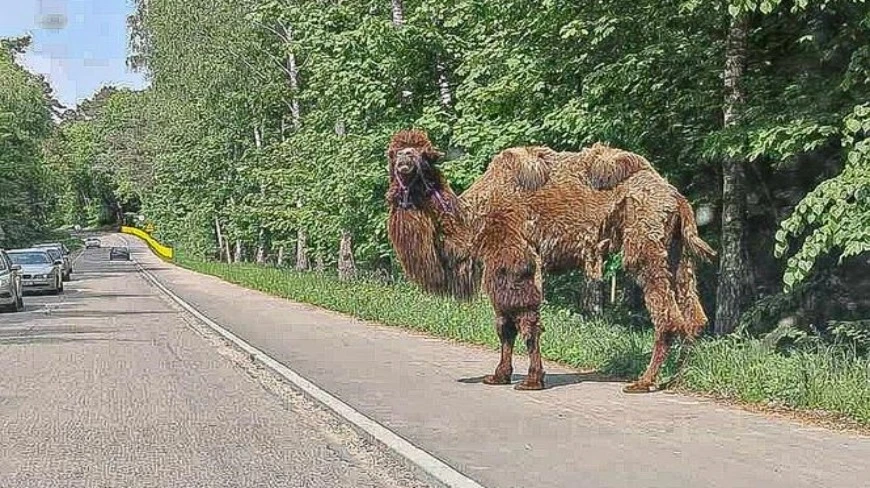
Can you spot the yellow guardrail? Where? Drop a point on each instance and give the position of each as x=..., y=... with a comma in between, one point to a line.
x=159, y=249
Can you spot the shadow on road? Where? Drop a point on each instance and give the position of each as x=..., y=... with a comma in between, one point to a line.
x=555, y=380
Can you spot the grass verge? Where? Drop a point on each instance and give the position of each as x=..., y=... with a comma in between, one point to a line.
x=834, y=380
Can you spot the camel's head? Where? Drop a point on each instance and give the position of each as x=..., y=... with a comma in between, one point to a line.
x=412, y=159
x=411, y=155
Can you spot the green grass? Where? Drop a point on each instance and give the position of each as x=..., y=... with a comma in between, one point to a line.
x=827, y=378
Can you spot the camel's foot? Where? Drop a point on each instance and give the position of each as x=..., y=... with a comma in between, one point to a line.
x=638, y=387
x=497, y=379
x=527, y=384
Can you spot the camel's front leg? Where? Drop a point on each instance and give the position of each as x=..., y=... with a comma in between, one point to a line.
x=507, y=334
x=530, y=326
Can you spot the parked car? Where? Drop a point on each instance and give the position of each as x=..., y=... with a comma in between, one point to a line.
x=64, y=254
x=119, y=253
x=39, y=271
x=92, y=242
x=57, y=256
x=11, y=292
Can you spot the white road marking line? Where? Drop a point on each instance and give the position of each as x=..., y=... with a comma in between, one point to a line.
x=422, y=459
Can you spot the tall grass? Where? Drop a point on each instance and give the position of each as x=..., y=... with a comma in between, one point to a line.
x=833, y=379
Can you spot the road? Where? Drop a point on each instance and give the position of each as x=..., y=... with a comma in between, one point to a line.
x=110, y=385
x=116, y=377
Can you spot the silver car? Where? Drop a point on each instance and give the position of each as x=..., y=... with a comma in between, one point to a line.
x=63, y=251
x=39, y=271
x=11, y=292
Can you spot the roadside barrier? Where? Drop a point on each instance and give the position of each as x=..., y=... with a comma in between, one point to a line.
x=159, y=249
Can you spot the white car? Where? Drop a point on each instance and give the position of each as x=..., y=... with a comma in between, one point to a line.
x=39, y=272
x=92, y=242
x=11, y=293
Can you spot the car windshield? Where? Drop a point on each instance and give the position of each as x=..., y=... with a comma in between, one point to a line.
x=53, y=253
x=29, y=258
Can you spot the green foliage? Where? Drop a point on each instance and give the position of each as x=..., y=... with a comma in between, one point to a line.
x=218, y=130
x=268, y=118
x=25, y=122
x=836, y=215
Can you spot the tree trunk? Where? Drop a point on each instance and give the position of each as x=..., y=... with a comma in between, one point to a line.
x=229, y=254
x=734, y=286
x=346, y=265
x=258, y=138
x=260, y=255
x=261, y=246
x=446, y=97
x=302, y=251
x=293, y=77
x=319, y=265
x=220, y=238
x=592, y=297
x=238, y=257
x=280, y=259
x=398, y=13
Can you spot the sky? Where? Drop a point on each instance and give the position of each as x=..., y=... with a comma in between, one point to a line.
x=79, y=45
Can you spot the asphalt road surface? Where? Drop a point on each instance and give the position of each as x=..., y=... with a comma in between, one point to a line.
x=112, y=385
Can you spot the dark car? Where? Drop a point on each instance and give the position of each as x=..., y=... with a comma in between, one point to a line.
x=119, y=254
x=11, y=292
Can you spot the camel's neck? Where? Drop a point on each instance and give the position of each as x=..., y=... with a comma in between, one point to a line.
x=431, y=240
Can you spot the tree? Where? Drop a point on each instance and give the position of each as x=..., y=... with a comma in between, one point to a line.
x=735, y=282
x=25, y=123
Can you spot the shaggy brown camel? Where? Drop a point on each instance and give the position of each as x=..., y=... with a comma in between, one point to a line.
x=535, y=210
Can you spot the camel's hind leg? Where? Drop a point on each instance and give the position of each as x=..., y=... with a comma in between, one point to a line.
x=645, y=246
x=507, y=334
x=694, y=317
x=687, y=298
x=666, y=317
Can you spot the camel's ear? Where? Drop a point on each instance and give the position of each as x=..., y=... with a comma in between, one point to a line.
x=432, y=155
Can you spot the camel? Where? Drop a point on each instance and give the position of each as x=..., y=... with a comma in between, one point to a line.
x=537, y=211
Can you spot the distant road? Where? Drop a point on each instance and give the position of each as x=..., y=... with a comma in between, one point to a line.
x=109, y=385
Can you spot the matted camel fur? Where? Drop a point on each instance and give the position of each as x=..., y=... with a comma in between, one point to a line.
x=536, y=211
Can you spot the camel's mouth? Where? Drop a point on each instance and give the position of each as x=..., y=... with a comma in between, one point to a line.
x=407, y=165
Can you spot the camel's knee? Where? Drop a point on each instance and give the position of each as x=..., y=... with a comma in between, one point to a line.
x=529, y=325
x=660, y=301
x=689, y=301
x=512, y=283
x=506, y=328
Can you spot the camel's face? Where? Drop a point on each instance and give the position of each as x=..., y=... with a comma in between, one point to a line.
x=409, y=162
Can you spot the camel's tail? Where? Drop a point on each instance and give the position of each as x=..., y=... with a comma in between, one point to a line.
x=689, y=231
